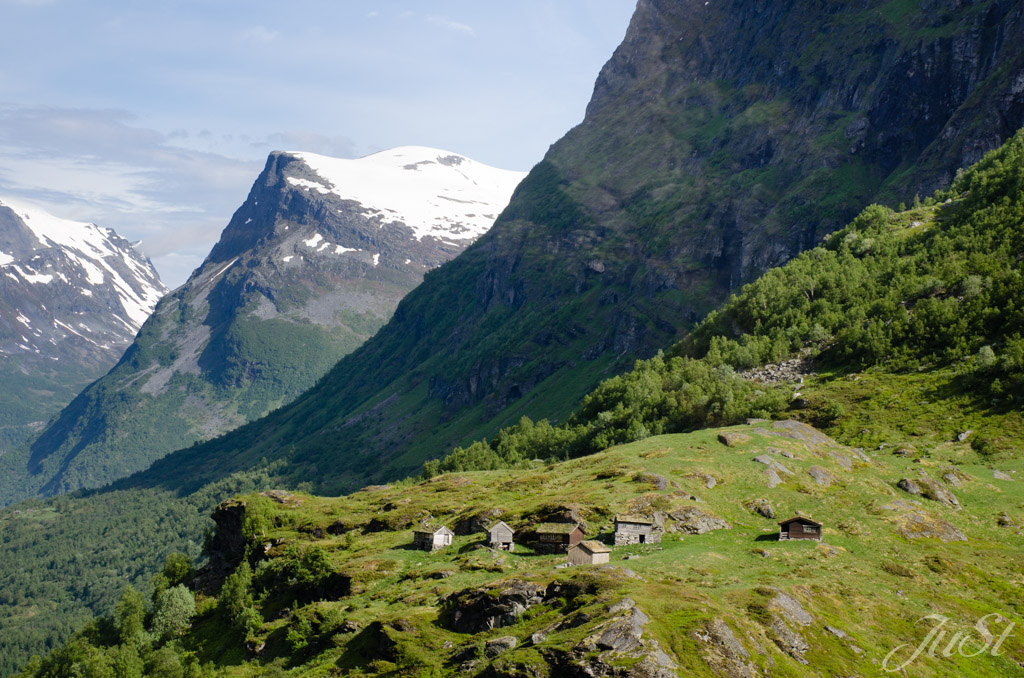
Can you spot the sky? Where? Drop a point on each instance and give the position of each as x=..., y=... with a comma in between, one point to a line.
x=154, y=118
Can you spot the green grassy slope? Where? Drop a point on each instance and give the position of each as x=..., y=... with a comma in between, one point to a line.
x=863, y=588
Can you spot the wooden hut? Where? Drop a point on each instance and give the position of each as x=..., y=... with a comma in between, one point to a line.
x=589, y=553
x=558, y=537
x=432, y=539
x=499, y=536
x=799, y=527
x=631, y=529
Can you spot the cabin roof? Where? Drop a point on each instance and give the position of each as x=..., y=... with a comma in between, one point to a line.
x=630, y=518
x=802, y=519
x=557, y=528
x=499, y=524
x=594, y=546
x=432, y=530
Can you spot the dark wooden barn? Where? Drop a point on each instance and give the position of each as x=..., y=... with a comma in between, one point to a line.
x=558, y=537
x=799, y=527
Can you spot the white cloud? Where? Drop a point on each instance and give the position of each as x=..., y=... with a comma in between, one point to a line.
x=98, y=166
x=451, y=25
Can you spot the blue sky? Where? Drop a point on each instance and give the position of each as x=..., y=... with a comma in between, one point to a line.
x=155, y=117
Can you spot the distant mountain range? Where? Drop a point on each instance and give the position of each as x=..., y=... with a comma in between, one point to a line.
x=72, y=297
x=309, y=267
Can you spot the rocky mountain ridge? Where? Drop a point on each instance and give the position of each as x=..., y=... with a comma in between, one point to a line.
x=310, y=265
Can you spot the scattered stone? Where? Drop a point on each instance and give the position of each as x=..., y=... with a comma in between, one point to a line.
x=693, y=520
x=725, y=654
x=626, y=634
x=905, y=451
x=773, y=464
x=920, y=525
x=788, y=640
x=821, y=475
x=842, y=460
x=492, y=648
x=709, y=481
x=936, y=491
x=960, y=437
x=860, y=454
x=732, y=439
x=442, y=574
x=476, y=610
x=792, y=609
x=761, y=507
x=1005, y=520
x=656, y=481
x=838, y=633
x=349, y=626
x=999, y=475
x=787, y=454
x=952, y=479
x=797, y=430
x=901, y=505
x=621, y=606
x=773, y=478
x=909, y=486
x=537, y=637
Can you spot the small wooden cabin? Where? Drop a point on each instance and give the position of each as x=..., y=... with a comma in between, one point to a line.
x=432, y=539
x=558, y=537
x=631, y=529
x=799, y=527
x=589, y=553
x=499, y=536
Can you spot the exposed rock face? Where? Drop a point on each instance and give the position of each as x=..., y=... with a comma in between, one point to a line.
x=479, y=610
x=822, y=476
x=693, y=520
x=492, y=648
x=920, y=525
x=615, y=649
x=909, y=486
x=797, y=430
x=772, y=464
x=227, y=547
x=732, y=438
x=724, y=653
x=930, y=489
x=761, y=507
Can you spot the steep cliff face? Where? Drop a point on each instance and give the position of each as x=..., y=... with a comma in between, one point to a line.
x=722, y=139
x=312, y=264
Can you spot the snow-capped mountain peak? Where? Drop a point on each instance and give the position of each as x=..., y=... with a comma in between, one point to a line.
x=436, y=193
x=65, y=282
